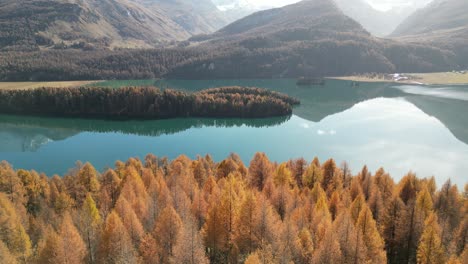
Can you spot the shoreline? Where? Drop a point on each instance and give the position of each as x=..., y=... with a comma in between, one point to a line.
x=35, y=85
x=428, y=79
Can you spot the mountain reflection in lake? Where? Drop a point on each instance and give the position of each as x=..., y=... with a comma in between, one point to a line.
x=402, y=128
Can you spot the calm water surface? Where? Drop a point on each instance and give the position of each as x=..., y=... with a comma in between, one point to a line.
x=402, y=128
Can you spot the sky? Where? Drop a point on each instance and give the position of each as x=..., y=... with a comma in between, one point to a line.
x=386, y=5
x=383, y=5
x=276, y=3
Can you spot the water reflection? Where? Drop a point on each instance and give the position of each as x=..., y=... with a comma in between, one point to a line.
x=395, y=134
x=55, y=129
x=446, y=103
x=373, y=124
x=18, y=136
x=454, y=92
x=451, y=112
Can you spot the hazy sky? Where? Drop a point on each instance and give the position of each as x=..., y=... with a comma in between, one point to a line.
x=389, y=4
x=277, y=3
x=378, y=4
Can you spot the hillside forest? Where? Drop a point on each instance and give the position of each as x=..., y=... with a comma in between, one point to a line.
x=200, y=211
x=50, y=40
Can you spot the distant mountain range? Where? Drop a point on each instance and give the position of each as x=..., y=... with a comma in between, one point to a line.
x=235, y=9
x=194, y=16
x=312, y=37
x=443, y=23
x=440, y=15
x=308, y=15
x=192, y=39
x=377, y=22
x=34, y=24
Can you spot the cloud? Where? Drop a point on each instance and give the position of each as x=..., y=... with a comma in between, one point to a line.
x=385, y=5
x=323, y=132
x=262, y=4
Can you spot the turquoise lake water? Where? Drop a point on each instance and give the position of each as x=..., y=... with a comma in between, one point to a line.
x=398, y=127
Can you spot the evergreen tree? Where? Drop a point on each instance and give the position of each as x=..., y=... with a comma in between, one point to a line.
x=12, y=232
x=312, y=175
x=259, y=170
x=189, y=248
x=74, y=249
x=115, y=245
x=393, y=223
x=166, y=232
x=367, y=229
x=90, y=224
x=430, y=249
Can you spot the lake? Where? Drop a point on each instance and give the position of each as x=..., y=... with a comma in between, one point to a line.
x=398, y=127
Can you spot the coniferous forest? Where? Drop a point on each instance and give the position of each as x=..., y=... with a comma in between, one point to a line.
x=146, y=102
x=201, y=211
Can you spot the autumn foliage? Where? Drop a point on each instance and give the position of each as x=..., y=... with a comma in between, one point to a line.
x=200, y=211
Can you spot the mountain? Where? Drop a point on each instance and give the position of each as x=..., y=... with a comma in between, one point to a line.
x=26, y=138
x=29, y=24
x=233, y=10
x=440, y=15
x=34, y=24
x=309, y=38
x=443, y=23
x=309, y=15
x=312, y=38
x=194, y=16
x=377, y=22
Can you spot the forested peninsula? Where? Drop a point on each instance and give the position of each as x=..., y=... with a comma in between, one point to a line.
x=146, y=103
x=201, y=211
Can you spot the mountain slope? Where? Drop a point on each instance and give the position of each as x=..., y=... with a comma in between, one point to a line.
x=194, y=16
x=321, y=15
x=377, y=22
x=233, y=10
x=28, y=24
x=443, y=23
x=440, y=15
x=34, y=24
x=309, y=38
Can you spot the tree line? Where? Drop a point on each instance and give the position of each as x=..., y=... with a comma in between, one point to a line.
x=146, y=102
x=253, y=57
x=72, y=64
x=200, y=211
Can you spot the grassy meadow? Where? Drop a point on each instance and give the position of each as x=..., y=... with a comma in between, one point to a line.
x=33, y=85
x=435, y=78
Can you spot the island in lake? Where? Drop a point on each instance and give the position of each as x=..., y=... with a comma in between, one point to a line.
x=146, y=102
